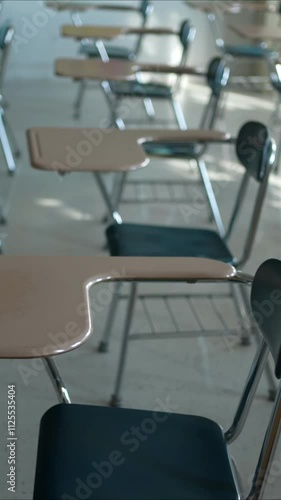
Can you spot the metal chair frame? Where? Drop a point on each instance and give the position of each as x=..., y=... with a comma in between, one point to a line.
x=275, y=80
x=7, y=137
x=114, y=101
x=114, y=198
x=216, y=19
x=207, y=123
x=77, y=21
x=240, y=299
x=257, y=368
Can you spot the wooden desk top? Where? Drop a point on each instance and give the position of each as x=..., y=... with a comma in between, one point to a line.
x=231, y=7
x=257, y=33
x=103, y=150
x=44, y=306
x=84, y=6
x=109, y=32
x=117, y=70
x=95, y=69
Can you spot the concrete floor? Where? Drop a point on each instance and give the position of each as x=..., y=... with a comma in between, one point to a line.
x=53, y=216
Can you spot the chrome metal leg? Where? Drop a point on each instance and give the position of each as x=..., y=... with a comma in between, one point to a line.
x=119, y=189
x=211, y=196
x=179, y=114
x=116, y=121
x=147, y=101
x=112, y=211
x=103, y=347
x=242, y=313
x=272, y=390
x=6, y=204
x=115, y=400
x=6, y=146
x=149, y=108
x=57, y=380
x=119, y=182
x=278, y=157
x=12, y=137
x=79, y=99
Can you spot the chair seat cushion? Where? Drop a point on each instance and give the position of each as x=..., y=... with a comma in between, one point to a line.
x=119, y=454
x=248, y=51
x=171, y=150
x=90, y=50
x=160, y=241
x=153, y=90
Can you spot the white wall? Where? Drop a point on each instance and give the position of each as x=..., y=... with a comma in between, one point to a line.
x=38, y=42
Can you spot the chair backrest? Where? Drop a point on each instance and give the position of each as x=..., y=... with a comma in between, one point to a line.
x=217, y=79
x=266, y=314
x=6, y=37
x=146, y=8
x=256, y=152
x=6, y=34
x=266, y=307
x=187, y=34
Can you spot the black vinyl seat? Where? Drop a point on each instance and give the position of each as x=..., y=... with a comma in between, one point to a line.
x=174, y=459
x=113, y=52
x=160, y=241
x=152, y=90
x=102, y=453
x=171, y=150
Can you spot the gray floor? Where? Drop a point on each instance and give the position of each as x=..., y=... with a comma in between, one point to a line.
x=53, y=216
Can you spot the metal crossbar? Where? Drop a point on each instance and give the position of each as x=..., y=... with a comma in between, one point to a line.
x=175, y=191
x=171, y=317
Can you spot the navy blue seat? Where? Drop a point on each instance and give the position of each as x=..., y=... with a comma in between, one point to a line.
x=177, y=457
x=248, y=51
x=113, y=52
x=101, y=453
x=217, y=77
x=160, y=241
x=136, y=89
x=171, y=150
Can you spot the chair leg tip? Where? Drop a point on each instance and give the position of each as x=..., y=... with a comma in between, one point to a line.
x=104, y=219
x=245, y=341
x=3, y=220
x=272, y=395
x=76, y=114
x=115, y=402
x=103, y=347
